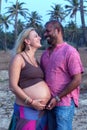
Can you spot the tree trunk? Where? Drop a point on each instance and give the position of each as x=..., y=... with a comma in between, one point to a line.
x=0, y=6
x=16, y=32
x=5, y=44
x=83, y=22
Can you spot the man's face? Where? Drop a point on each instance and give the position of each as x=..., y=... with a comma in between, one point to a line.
x=50, y=34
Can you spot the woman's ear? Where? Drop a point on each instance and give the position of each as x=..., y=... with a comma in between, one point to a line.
x=27, y=41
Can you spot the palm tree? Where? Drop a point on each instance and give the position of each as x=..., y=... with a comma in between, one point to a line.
x=71, y=33
x=57, y=12
x=0, y=4
x=72, y=8
x=4, y=23
x=20, y=26
x=76, y=5
x=14, y=11
x=82, y=11
x=34, y=19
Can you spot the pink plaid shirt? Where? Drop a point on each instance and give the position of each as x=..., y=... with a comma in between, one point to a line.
x=59, y=67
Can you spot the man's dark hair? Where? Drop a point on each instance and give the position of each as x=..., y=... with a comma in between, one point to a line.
x=57, y=25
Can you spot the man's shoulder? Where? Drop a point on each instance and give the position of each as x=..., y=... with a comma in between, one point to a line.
x=69, y=47
x=44, y=52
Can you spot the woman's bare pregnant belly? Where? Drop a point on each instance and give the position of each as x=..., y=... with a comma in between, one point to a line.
x=37, y=91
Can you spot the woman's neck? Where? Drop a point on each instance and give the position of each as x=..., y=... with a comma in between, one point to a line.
x=31, y=52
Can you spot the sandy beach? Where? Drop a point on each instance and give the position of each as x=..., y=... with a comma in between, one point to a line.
x=7, y=97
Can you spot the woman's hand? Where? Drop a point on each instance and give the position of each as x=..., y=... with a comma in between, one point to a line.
x=38, y=104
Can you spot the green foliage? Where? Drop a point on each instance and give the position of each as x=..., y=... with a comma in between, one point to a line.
x=57, y=12
x=16, y=12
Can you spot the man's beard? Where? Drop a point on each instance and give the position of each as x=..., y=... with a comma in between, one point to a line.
x=52, y=41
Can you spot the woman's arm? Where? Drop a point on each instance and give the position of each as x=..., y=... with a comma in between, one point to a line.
x=14, y=73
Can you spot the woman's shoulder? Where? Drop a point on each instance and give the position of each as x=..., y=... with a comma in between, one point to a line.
x=16, y=59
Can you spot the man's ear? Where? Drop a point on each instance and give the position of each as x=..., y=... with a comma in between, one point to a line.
x=56, y=31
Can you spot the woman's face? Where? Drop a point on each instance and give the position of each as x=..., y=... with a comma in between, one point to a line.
x=34, y=39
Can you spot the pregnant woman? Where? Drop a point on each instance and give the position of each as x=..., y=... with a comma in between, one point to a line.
x=26, y=81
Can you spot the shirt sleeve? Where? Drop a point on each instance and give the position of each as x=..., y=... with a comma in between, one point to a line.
x=74, y=63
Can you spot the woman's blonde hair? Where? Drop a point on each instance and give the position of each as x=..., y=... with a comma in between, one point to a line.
x=20, y=43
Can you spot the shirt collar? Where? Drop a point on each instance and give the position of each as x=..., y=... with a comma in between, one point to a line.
x=60, y=45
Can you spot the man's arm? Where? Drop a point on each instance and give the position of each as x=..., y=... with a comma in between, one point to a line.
x=76, y=80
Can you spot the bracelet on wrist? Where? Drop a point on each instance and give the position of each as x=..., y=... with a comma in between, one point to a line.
x=26, y=100
x=57, y=99
x=31, y=101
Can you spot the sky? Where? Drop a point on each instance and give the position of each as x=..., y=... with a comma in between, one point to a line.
x=41, y=6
